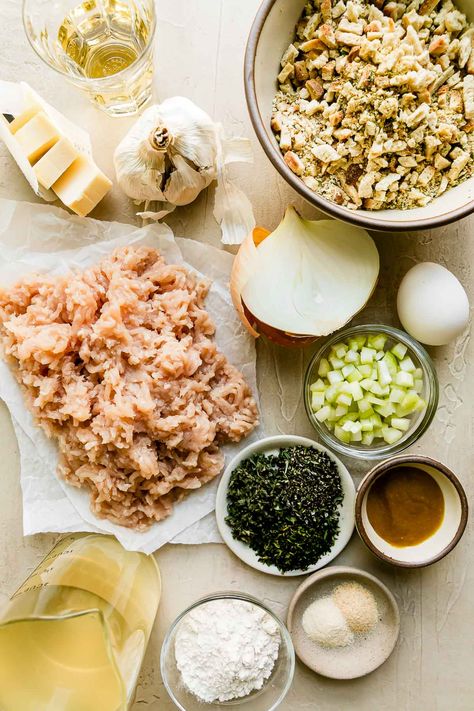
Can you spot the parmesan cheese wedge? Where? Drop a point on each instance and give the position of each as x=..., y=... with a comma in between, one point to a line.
x=37, y=136
x=55, y=162
x=82, y=186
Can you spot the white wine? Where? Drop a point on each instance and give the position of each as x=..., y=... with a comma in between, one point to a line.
x=103, y=38
x=74, y=635
x=103, y=46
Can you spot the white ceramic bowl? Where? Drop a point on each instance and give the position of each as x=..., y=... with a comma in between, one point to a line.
x=271, y=445
x=271, y=33
x=442, y=541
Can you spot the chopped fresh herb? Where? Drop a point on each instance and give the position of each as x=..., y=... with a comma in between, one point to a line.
x=285, y=506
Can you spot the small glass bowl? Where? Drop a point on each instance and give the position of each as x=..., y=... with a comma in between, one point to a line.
x=419, y=423
x=268, y=698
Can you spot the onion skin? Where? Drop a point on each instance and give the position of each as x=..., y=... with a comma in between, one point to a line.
x=275, y=335
x=242, y=267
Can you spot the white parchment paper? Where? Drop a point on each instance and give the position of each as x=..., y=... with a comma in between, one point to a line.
x=45, y=238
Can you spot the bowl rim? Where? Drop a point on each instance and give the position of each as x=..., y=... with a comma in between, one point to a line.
x=380, y=469
x=249, y=557
x=336, y=570
x=354, y=217
x=413, y=435
x=229, y=595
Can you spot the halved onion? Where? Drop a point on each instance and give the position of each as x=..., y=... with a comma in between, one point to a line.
x=304, y=280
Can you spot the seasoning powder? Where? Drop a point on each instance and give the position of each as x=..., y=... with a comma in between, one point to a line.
x=225, y=649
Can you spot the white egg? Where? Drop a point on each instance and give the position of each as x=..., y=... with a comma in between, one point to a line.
x=432, y=304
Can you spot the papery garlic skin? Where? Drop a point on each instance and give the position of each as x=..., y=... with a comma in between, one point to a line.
x=169, y=154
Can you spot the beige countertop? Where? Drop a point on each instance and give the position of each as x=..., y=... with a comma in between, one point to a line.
x=199, y=54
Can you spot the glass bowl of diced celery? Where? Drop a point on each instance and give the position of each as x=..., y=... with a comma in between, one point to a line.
x=371, y=391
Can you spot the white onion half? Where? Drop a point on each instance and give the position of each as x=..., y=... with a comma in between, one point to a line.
x=307, y=278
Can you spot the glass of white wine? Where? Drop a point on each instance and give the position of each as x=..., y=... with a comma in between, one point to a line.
x=103, y=46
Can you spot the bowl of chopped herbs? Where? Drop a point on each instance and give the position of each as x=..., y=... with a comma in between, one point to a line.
x=285, y=505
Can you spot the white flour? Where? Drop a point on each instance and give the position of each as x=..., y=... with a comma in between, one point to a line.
x=225, y=649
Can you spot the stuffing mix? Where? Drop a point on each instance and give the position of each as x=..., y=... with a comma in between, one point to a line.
x=375, y=108
x=118, y=365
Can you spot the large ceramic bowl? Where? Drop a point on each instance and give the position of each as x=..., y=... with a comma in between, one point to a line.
x=271, y=33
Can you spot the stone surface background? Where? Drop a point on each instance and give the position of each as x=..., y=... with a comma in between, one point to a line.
x=199, y=54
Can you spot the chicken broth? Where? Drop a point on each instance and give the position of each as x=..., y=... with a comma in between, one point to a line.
x=405, y=506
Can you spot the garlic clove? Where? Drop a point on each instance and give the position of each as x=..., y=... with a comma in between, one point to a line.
x=184, y=184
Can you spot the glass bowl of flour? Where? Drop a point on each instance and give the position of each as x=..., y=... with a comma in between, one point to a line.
x=227, y=649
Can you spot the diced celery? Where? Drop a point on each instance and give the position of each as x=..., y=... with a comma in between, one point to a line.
x=364, y=406
x=376, y=389
x=375, y=400
x=352, y=356
x=399, y=349
x=376, y=420
x=344, y=399
x=407, y=365
x=350, y=417
x=317, y=401
x=377, y=341
x=331, y=393
x=342, y=435
x=366, y=392
x=367, y=355
x=400, y=423
x=348, y=369
x=386, y=410
x=356, y=391
x=352, y=427
x=355, y=376
x=360, y=340
x=396, y=395
x=391, y=363
x=408, y=405
x=340, y=349
x=391, y=435
x=324, y=368
x=323, y=414
x=404, y=380
x=384, y=374
x=336, y=376
x=368, y=438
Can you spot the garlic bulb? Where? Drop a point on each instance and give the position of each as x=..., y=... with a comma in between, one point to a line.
x=172, y=153
x=169, y=154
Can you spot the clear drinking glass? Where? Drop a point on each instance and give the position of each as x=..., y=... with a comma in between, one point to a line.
x=105, y=47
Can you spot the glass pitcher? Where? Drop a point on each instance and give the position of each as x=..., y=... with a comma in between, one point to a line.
x=73, y=636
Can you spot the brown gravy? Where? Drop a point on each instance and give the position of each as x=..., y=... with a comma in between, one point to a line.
x=405, y=506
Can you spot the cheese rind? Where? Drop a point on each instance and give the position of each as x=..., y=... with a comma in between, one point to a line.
x=82, y=186
x=37, y=136
x=55, y=162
